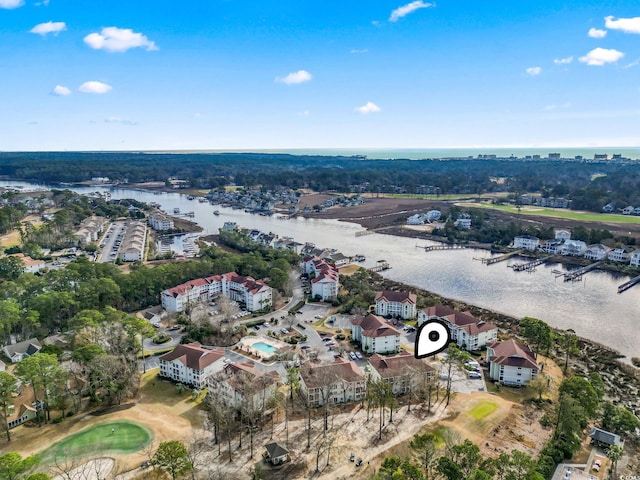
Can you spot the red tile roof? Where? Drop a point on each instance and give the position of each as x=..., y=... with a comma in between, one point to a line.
x=513, y=354
x=374, y=326
x=438, y=310
x=193, y=356
x=397, y=365
x=322, y=375
x=397, y=297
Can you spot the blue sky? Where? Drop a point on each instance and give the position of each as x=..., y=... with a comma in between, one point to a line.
x=261, y=74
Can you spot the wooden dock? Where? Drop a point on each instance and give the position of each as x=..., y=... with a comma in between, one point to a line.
x=445, y=246
x=529, y=266
x=362, y=233
x=576, y=275
x=500, y=258
x=380, y=267
x=626, y=286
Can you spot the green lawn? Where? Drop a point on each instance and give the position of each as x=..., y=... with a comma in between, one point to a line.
x=558, y=213
x=112, y=437
x=483, y=409
x=451, y=196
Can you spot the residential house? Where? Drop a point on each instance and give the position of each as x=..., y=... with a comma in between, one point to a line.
x=190, y=364
x=596, y=252
x=468, y=332
x=635, y=258
x=20, y=351
x=574, y=248
x=552, y=246
x=463, y=221
x=375, y=335
x=511, y=363
x=417, y=219
x=562, y=234
x=338, y=382
x=620, y=254
x=628, y=210
x=396, y=304
x=275, y=453
x=325, y=283
x=604, y=438
x=528, y=242
x=30, y=265
x=22, y=409
x=241, y=384
x=434, y=215
x=402, y=371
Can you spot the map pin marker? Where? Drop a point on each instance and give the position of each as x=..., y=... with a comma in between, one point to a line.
x=432, y=337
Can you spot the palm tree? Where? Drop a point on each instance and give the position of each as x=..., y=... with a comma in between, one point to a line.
x=614, y=454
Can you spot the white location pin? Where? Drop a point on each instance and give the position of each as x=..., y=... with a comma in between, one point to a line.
x=432, y=337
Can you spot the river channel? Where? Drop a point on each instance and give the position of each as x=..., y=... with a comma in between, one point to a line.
x=592, y=307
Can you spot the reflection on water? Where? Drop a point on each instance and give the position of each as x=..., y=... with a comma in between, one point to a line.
x=591, y=307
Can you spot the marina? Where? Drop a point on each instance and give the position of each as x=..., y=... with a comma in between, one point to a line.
x=450, y=273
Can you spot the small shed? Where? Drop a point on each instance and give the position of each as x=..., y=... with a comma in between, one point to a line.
x=602, y=437
x=276, y=454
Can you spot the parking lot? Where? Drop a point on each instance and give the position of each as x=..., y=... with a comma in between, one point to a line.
x=110, y=243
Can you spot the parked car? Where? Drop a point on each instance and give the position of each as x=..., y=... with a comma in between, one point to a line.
x=352, y=457
x=352, y=356
x=358, y=355
x=284, y=331
x=359, y=462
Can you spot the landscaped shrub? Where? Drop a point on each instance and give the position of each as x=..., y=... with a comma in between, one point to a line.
x=340, y=336
x=161, y=338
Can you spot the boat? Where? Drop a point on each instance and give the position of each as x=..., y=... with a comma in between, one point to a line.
x=202, y=200
x=216, y=212
x=190, y=197
x=360, y=257
x=176, y=211
x=190, y=214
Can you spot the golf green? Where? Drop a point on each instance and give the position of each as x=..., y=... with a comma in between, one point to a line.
x=113, y=437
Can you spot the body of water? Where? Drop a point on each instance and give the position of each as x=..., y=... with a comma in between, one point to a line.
x=592, y=307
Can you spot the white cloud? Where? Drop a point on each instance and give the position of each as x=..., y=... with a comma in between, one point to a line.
x=44, y=3
x=61, y=91
x=356, y=51
x=600, y=56
x=114, y=39
x=405, y=10
x=49, y=27
x=304, y=113
x=597, y=33
x=294, y=78
x=9, y=4
x=122, y=121
x=197, y=115
x=563, y=61
x=548, y=108
x=533, y=71
x=94, y=87
x=367, y=108
x=627, y=25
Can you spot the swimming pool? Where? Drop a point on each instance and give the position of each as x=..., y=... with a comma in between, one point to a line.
x=264, y=347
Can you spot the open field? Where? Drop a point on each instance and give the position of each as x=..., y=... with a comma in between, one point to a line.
x=441, y=197
x=558, y=213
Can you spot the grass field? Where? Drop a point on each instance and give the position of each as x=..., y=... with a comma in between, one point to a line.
x=558, y=213
x=113, y=437
x=483, y=409
x=443, y=197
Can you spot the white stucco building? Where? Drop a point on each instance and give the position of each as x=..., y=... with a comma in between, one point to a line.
x=511, y=363
x=396, y=304
x=375, y=334
x=190, y=364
